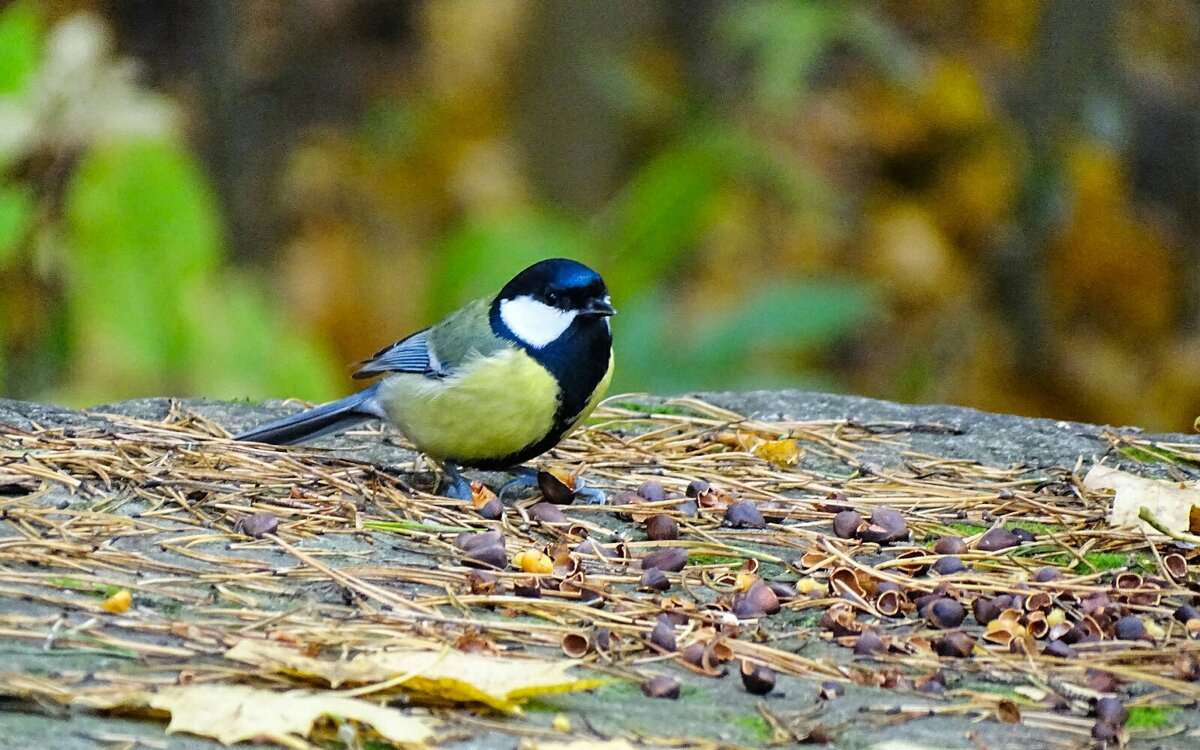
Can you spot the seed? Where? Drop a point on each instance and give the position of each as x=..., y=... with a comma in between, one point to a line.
x=467, y=541
x=486, y=556
x=1059, y=649
x=869, y=644
x=555, y=487
x=697, y=487
x=652, y=491
x=482, y=582
x=945, y=613
x=1131, y=628
x=661, y=686
x=997, y=539
x=530, y=588
x=948, y=565
x=259, y=524
x=547, y=513
x=1111, y=710
x=829, y=690
x=887, y=525
x=669, y=559
x=757, y=678
x=744, y=515
x=491, y=510
x=847, y=523
x=1047, y=573
x=661, y=528
x=654, y=579
x=1186, y=612
x=950, y=545
x=663, y=635
x=1023, y=534
x=782, y=589
x=1100, y=681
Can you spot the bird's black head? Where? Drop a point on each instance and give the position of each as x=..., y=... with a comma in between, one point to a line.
x=548, y=300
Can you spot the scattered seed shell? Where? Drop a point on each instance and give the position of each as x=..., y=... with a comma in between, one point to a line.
x=950, y=545
x=661, y=686
x=259, y=524
x=661, y=528
x=744, y=515
x=997, y=539
x=757, y=678
x=669, y=559
x=847, y=523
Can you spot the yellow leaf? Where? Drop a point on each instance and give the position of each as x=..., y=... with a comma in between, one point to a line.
x=237, y=713
x=1172, y=503
x=118, y=602
x=782, y=453
x=445, y=675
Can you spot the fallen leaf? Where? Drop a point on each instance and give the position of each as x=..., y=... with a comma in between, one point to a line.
x=118, y=602
x=238, y=713
x=1174, y=504
x=782, y=453
x=445, y=675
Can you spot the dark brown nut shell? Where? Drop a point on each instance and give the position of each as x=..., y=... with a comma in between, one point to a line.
x=467, y=541
x=697, y=487
x=1131, y=628
x=1176, y=566
x=950, y=545
x=491, y=510
x=661, y=686
x=662, y=636
x=486, y=556
x=661, y=528
x=652, y=491
x=1060, y=650
x=547, y=513
x=669, y=559
x=945, y=613
x=948, y=565
x=1112, y=711
x=744, y=514
x=530, y=588
x=955, y=645
x=259, y=524
x=869, y=644
x=887, y=525
x=553, y=489
x=782, y=589
x=757, y=678
x=847, y=523
x=997, y=539
x=654, y=579
x=1046, y=574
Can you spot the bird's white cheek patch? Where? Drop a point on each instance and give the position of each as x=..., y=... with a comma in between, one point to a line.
x=534, y=322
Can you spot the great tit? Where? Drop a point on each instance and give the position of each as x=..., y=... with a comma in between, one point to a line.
x=491, y=385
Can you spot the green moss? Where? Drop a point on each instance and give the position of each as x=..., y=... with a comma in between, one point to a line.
x=966, y=529
x=1156, y=454
x=1035, y=528
x=756, y=726
x=1101, y=561
x=715, y=560
x=91, y=589
x=1150, y=717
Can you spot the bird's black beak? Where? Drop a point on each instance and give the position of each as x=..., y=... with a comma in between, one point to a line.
x=599, y=308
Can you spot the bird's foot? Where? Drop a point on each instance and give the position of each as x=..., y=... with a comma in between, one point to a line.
x=525, y=480
x=455, y=486
x=589, y=495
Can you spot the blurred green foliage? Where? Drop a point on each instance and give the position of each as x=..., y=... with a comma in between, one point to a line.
x=135, y=251
x=780, y=193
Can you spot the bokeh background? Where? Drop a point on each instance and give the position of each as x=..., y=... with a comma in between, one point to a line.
x=992, y=203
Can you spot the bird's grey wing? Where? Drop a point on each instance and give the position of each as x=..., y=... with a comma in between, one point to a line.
x=413, y=354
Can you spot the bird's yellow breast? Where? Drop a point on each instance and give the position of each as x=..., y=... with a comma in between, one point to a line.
x=489, y=408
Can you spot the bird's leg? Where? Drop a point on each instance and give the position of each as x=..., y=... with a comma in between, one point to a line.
x=589, y=495
x=525, y=480
x=456, y=486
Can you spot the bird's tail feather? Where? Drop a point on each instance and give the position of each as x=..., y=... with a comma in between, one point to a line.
x=321, y=420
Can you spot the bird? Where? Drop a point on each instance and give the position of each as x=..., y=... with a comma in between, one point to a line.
x=492, y=385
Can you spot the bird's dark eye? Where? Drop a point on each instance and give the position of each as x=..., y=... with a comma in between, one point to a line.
x=552, y=298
